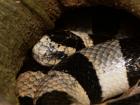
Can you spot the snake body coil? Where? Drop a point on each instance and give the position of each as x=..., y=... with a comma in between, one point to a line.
x=89, y=76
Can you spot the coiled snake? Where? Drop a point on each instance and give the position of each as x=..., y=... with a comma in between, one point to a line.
x=83, y=74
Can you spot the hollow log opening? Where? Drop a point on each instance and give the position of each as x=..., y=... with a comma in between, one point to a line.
x=101, y=22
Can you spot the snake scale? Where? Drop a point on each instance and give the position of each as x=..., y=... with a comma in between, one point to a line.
x=81, y=73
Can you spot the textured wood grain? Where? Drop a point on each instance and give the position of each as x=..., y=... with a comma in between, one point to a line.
x=19, y=30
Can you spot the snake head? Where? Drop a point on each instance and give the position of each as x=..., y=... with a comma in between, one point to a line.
x=46, y=52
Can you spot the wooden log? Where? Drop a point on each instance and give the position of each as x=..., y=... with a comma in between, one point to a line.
x=132, y=6
x=20, y=27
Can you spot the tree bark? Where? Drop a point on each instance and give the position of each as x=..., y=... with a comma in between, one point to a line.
x=20, y=28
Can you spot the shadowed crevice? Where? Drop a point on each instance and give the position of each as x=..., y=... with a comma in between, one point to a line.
x=55, y=98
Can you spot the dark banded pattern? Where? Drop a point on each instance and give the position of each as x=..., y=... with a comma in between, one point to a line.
x=25, y=100
x=104, y=71
x=60, y=82
x=58, y=97
x=131, y=52
x=108, y=62
x=68, y=39
x=96, y=67
x=82, y=70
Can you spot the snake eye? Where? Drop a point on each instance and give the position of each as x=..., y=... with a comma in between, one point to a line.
x=60, y=55
x=58, y=45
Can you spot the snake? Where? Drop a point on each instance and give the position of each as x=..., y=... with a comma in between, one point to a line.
x=81, y=73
